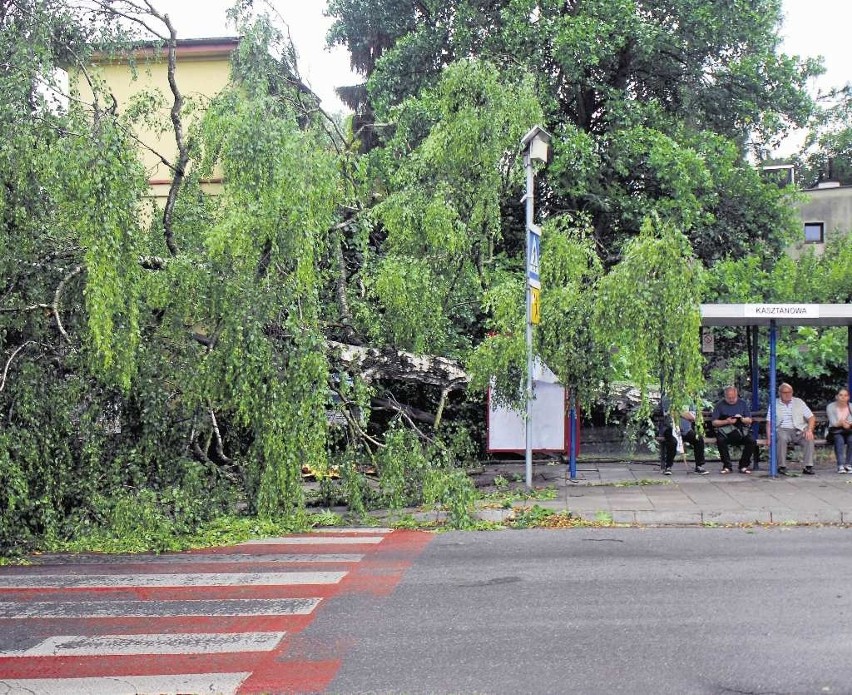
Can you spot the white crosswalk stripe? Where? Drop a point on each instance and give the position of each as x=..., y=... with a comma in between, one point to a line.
x=91, y=581
x=157, y=609
x=214, y=683
x=190, y=643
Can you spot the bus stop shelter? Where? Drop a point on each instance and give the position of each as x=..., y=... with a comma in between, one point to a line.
x=754, y=316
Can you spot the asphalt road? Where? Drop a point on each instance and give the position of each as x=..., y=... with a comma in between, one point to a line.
x=577, y=611
x=588, y=611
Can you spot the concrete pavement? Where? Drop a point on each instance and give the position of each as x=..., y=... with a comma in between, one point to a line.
x=637, y=493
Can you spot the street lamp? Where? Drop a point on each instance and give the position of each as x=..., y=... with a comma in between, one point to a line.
x=536, y=146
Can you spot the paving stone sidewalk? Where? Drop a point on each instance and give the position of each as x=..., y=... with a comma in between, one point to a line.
x=637, y=493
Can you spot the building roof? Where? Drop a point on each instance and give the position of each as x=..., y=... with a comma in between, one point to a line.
x=213, y=47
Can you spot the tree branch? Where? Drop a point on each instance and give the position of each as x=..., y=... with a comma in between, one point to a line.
x=220, y=452
x=441, y=405
x=53, y=307
x=341, y=285
x=56, y=295
x=396, y=406
x=9, y=362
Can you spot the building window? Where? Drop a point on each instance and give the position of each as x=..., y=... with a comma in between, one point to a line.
x=814, y=232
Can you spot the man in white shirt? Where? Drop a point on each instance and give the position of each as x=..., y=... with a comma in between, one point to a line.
x=796, y=425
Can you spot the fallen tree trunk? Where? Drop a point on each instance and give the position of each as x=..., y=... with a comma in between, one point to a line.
x=375, y=363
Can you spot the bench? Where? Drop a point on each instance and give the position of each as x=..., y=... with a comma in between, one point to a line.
x=759, y=416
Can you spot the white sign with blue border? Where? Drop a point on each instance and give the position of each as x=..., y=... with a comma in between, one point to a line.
x=534, y=255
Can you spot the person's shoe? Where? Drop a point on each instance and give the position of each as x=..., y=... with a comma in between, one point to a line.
x=808, y=470
x=848, y=469
x=725, y=471
x=842, y=469
x=782, y=470
x=667, y=470
x=701, y=470
x=745, y=470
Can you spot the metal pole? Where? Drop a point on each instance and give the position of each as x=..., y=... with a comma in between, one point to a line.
x=529, y=388
x=773, y=446
x=572, y=428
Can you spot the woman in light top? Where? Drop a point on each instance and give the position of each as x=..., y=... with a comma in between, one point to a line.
x=840, y=430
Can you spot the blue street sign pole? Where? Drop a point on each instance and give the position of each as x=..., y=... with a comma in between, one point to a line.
x=773, y=465
x=755, y=391
x=572, y=429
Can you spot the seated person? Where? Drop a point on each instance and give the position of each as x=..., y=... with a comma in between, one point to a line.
x=731, y=419
x=687, y=434
x=839, y=416
x=796, y=424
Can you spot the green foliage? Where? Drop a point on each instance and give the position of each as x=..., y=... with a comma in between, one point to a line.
x=102, y=185
x=149, y=387
x=411, y=474
x=403, y=466
x=827, y=151
x=151, y=531
x=505, y=497
x=649, y=311
x=539, y=517
x=566, y=339
x=108, y=393
x=448, y=165
x=501, y=356
x=451, y=490
x=653, y=106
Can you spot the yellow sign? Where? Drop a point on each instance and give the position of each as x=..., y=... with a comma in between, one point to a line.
x=535, y=305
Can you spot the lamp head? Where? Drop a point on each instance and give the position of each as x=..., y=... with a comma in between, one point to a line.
x=537, y=143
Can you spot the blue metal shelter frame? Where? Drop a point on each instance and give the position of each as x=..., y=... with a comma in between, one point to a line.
x=773, y=315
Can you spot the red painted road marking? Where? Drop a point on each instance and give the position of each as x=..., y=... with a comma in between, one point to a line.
x=193, y=608
x=286, y=672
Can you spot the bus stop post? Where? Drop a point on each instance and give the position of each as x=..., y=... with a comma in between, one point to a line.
x=572, y=441
x=773, y=467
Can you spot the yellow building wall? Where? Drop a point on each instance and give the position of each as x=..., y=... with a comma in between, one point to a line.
x=201, y=73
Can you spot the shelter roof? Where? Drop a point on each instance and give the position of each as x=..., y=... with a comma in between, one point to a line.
x=783, y=314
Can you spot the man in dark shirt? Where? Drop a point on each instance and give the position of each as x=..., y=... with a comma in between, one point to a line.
x=731, y=419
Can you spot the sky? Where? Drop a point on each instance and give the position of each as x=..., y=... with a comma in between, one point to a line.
x=811, y=28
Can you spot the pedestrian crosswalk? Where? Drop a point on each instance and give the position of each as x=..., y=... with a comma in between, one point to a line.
x=215, y=621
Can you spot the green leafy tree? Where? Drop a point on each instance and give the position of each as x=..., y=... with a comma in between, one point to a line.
x=452, y=159
x=653, y=104
x=175, y=359
x=565, y=340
